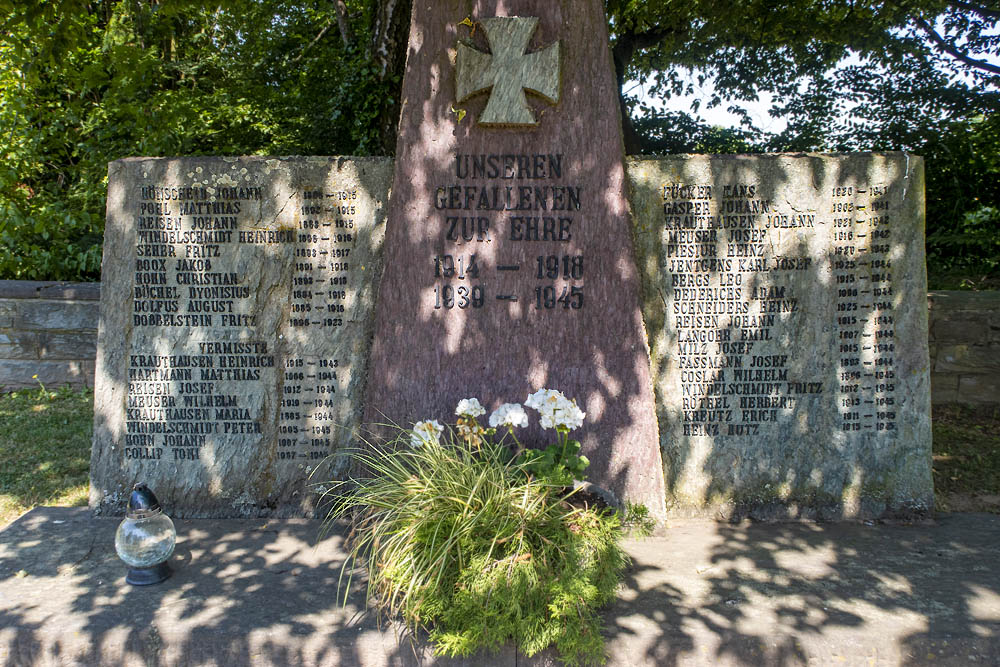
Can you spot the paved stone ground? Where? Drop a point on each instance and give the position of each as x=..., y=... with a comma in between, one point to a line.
x=264, y=593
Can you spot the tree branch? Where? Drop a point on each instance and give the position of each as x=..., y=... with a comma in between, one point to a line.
x=310, y=44
x=622, y=53
x=390, y=34
x=628, y=43
x=985, y=12
x=951, y=50
x=346, y=35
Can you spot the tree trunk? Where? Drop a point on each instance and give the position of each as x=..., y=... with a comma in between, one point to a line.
x=621, y=53
x=632, y=139
x=390, y=34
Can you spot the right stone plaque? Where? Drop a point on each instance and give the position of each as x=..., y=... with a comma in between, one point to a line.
x=785, y=299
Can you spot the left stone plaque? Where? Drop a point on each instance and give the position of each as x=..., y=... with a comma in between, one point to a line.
x=236, y=318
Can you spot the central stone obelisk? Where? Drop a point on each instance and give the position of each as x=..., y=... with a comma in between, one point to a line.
x=509, y=262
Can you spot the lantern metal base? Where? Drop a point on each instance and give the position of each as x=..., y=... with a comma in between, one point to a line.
x=144, y=576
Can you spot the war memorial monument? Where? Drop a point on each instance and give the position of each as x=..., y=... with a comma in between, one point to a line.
x=745, y=333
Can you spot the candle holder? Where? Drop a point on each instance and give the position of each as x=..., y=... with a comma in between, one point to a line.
x=145, y=539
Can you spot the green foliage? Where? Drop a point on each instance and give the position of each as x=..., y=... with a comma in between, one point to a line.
x=637, y=520
x=558, y=464
x=966, y=464
x=462, y=541
x=83, y=84
x=963, y=197
x=44, y=449
x=974, y=244
x=676, y=132
x=921, y=77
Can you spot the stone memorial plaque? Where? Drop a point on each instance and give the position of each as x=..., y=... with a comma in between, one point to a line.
x=785, y=299
x=509, y=259
x=236, y=316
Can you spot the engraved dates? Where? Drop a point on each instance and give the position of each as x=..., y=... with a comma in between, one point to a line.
x=496, y=208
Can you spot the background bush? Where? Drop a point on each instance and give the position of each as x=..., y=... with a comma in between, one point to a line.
x=86, y=82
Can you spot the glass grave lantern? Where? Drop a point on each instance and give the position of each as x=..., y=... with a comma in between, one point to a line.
x=145, y=539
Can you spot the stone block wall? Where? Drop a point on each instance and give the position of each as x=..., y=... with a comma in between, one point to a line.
x=48, y=330
x=964, y=342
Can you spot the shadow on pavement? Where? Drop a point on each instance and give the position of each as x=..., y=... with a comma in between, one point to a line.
x=265, y=592
x=243, y=592
x=803, y=593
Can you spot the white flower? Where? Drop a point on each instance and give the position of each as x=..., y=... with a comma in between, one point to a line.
x=469, y=407
x=427, y=432
x=569, y=415
x=509, y=414
x=555, y=409
x=540, y=398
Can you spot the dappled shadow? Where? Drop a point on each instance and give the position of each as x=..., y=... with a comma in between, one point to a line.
x=796, y=594
x=256, y=591
x=502, y=332
x=243, y=592
x=171, y=409
x=430, y=352
x=798, y=386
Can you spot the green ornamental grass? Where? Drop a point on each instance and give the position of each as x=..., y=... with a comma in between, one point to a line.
x=468, y=541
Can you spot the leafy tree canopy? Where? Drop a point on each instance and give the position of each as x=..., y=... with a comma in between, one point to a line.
x=84, y=82
x=918, y=75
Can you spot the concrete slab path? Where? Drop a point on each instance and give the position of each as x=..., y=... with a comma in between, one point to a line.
x=264, y=592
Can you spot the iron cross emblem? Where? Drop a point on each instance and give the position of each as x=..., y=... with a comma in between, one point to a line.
x=509, y=71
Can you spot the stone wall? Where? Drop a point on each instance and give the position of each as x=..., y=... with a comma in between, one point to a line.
x=48, y=330
x=964, y=341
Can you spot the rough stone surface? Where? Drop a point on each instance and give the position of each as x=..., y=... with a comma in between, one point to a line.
x=507, y=71
x=18, y=345
x=27, y=373
x=49, y=289
x=236, y=312
x=48, y=315
x=785, y=303
x=252, y=592
x=48, y=330
x=984, y=359
x=979, y=389
x=80, y=344
x=509, y=265
x=68, y=345
x=46, y=345
x=255, y=592
x=944, y=389
x=965, y=347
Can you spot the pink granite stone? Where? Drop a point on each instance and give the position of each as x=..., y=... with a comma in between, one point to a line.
x=494, y=329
